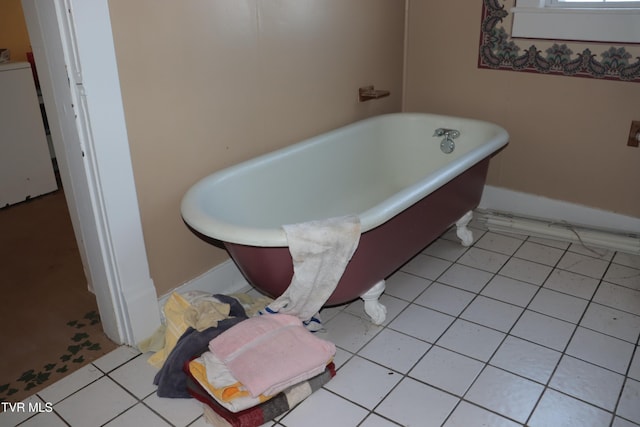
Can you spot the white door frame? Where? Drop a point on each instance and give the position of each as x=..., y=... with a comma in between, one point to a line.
x=74, y=51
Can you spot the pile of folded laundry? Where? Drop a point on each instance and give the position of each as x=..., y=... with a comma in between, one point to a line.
x=250, y=361
x=245, y=368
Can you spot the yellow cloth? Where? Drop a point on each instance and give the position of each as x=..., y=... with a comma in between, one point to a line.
x=235, y=397
x=155, y=342
x=180, y=314
x=176, y=325
x=203, y=314
x=252, y=304
x=222, y=394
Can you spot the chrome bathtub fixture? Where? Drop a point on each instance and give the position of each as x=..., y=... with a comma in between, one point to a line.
x=367, y=93
x=447, y=145
x=447, y=133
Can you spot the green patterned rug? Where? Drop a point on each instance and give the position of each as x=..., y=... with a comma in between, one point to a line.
x=85, y=344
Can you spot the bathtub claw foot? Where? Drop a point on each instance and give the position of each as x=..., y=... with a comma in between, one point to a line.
x=376, y=311
x=462, y=231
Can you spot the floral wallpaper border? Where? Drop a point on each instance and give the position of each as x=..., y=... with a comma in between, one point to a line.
x=499, y=51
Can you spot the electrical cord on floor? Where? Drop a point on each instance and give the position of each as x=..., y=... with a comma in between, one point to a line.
x=573, y=230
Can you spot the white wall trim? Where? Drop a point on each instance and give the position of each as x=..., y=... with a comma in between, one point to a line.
x=615, y=25
x=530, y=205
x=224, y=278
x=73, y=43
x=111, y=171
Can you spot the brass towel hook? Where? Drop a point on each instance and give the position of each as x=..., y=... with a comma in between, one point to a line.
x=367, y=93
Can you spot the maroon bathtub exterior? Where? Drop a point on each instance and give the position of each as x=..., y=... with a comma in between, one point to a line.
x=381, y=251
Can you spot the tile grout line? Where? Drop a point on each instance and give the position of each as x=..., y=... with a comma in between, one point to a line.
x=633, y=353
x=478, y=293
x=103, y=374
x=405, y=375
x=506, y=335
x=460, y=398
x=575, y=325
x=387, y=324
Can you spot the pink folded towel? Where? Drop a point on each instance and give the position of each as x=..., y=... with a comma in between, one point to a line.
x=272, y=352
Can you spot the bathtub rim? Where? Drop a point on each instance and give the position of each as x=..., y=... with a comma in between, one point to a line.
x=197, y=219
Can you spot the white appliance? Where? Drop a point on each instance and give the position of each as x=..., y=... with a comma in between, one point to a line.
x=26, y=170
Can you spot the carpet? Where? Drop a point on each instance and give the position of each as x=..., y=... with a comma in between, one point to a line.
x=49, y=323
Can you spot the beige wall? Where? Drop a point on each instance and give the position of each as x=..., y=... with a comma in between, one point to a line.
x=568, y=134
x=13, y=30
x=208, y=83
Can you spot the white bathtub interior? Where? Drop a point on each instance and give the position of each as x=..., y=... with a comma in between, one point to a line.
x=374, y=168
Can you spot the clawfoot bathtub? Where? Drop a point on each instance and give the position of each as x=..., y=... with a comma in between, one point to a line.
x=408, y=176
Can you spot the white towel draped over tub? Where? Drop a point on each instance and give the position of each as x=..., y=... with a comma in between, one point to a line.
x=320, y=251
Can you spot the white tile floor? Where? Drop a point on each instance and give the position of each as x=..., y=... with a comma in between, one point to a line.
x=512, y=331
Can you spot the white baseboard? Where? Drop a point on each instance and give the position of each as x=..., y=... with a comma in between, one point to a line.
x=510, y=211
x=530, y=205
x=142, y=313
x=224, y=278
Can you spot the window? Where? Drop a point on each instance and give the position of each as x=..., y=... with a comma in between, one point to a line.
x=616, y=21
x=593, y=3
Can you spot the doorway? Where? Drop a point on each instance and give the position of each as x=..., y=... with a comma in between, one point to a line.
x=52, y=324
x=72, y=43
x=73, y=48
